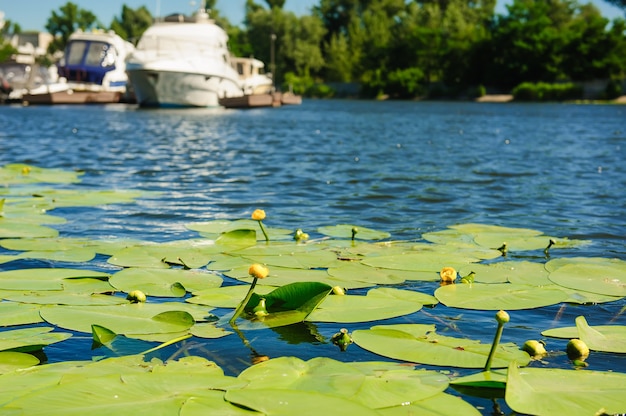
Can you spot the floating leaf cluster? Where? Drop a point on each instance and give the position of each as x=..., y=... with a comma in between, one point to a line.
x=342, y=274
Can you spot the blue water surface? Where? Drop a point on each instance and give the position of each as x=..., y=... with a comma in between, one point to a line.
x=402, y=167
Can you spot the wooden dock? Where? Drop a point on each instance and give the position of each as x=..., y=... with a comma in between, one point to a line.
x=276, y=99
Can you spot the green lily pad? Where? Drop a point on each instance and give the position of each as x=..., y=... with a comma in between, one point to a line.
x=225, y=297
x=374, y=385
x=609, y=332
x=81, y=255
x=126, y=319
x=587, y=298
x=603, y=278
x=163, y=282
x=9, y=229
x=487, y=384
x=60, y=297
x=383, y=303
x=212, y=229
x=345, y=231
x=550, y=391
x=439, y=404
x=280, y=276
x=18, y=173
x=291, y=402
x=30, y=339
x=11, y=361
x=156, y=392
x=421, y=344
x=615, y=341
x=38, y=279
x=420, y=261
x=356, y=271
x=498, y=296
x=519, y=272
x=12, y=313
x=287, y=304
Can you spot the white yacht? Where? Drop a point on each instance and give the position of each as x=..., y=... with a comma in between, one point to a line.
x=92, y=70
x=185, y=62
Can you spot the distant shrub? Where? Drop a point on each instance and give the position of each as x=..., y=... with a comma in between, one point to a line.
x=542, y=91
x=613, y=89
x=405, y=83
x=320, y=90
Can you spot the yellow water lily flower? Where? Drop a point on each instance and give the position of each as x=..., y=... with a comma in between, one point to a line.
x=448, y=274
x=258, y=215
x=258, y=271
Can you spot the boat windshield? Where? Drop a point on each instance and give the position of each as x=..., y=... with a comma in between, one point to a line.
x=90, y=53
x=88, y=61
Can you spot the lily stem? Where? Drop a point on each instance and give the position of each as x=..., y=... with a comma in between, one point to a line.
x=494, y=345
x=264, y=232
x=243, y=304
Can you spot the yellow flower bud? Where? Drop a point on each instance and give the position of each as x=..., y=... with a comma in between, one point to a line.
x=136, y=296
x=534, y=348
x=577, y=350
x=258, y=215
x=258, y=271
x=448, y=274
x=502, y=317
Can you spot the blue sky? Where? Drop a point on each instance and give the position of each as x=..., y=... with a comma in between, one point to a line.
x=33, y=14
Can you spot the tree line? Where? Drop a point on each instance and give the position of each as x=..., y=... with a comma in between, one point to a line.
x=407, y=49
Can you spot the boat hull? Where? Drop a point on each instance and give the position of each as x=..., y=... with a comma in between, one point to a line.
x=74, y=97
x=154, y=88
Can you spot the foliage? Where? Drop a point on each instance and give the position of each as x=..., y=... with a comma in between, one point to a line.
x=132, y=23
x=542, y=91
x=66, y=21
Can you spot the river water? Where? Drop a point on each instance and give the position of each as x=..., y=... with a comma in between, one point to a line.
x=402, y=167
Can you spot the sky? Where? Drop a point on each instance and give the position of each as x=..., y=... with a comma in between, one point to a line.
x=33, y=14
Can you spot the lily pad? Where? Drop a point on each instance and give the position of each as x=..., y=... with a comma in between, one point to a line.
x=11, y=361
x=225, y=297
x=439, y=404
x=519, y=272
x=291, y=402
x=345, y=231
x=127, y=319
x=432, y=261
x=19, y=173
x=614, y=341
x=156, y=392
x=374, y=385
x=550, y=391
x=12, y=313
x=356, y=271
x=30, y=339
x=498, y=296
x=603, y=278
x=609, y=332
x=163, y=282
x=38, y=279
x=421, y=344
x=287, y=304
x=376, y=305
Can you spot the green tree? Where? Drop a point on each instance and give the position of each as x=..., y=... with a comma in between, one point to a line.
x=132, y=23
x=69, y=19
x=296, y=41
x=591, y=51
x=528, y=42
x=6, y=32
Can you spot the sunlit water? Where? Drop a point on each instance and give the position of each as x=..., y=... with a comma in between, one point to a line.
x=402, y=167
